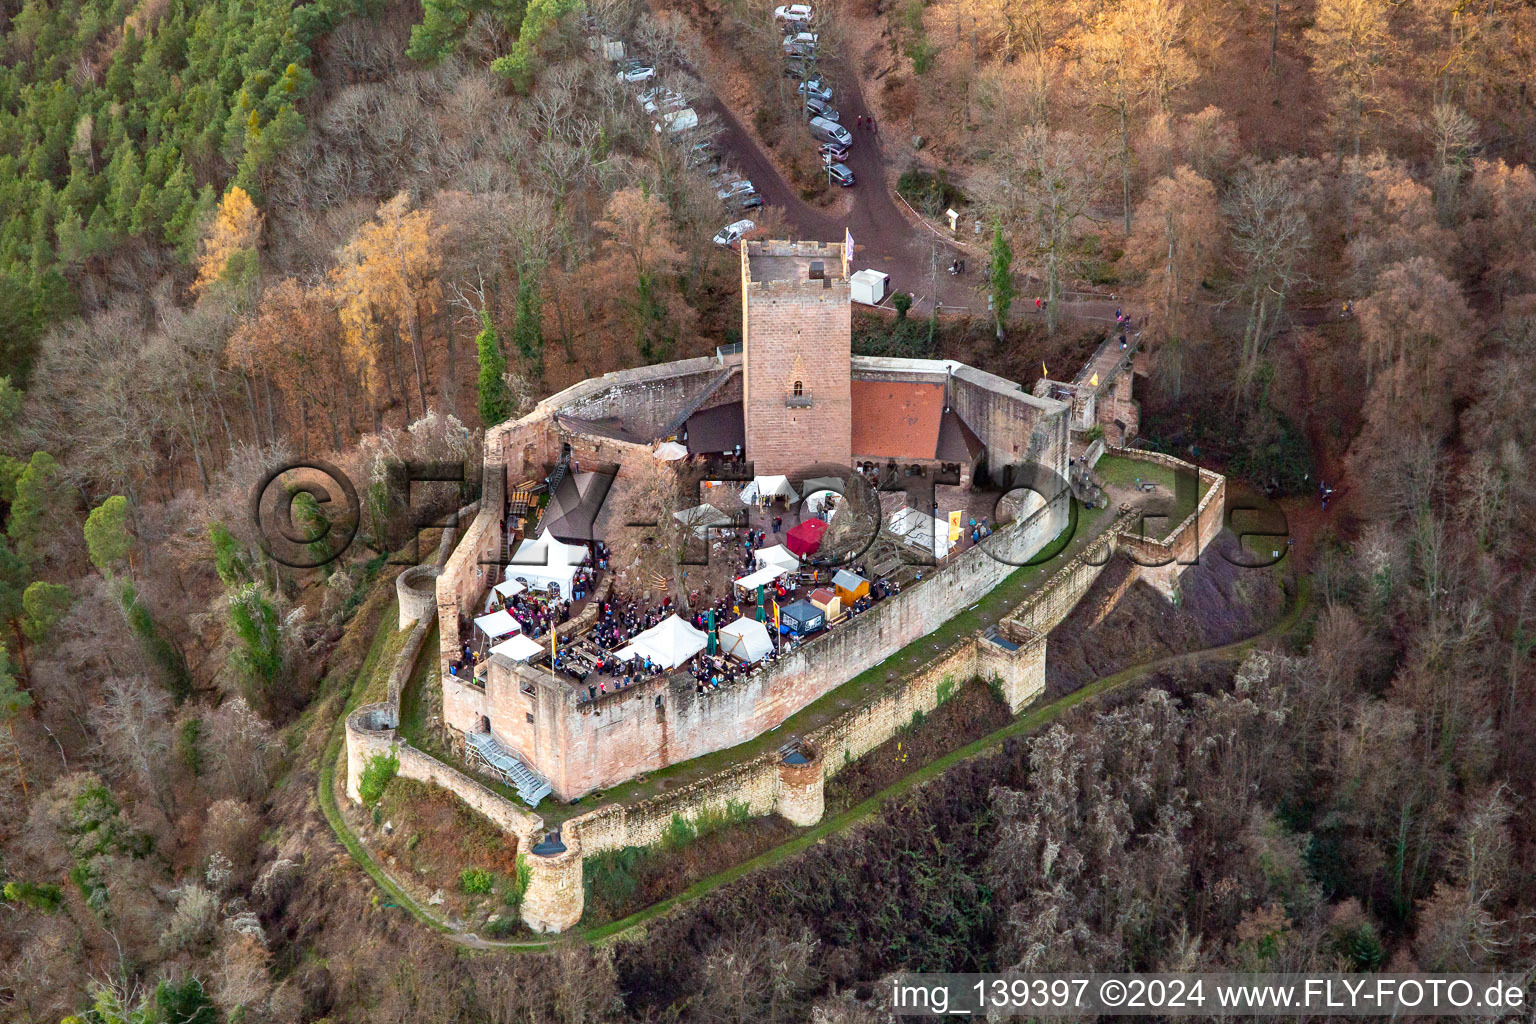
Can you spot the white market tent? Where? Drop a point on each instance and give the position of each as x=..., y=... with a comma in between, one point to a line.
x=777, y=555
x=669, y=643
x=764, y=576
x=670, y=451
x=921, y=530
x=745, y=640
x=509, y=588
x=701, y=517
x=546, y=561
x=520, y=648
x=766, y=488
x=497, y=624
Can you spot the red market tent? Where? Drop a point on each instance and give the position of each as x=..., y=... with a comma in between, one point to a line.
x=805, y=538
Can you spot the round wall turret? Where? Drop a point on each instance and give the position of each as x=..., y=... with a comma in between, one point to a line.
x=416, y=589
x=555, y=898
x=801, y=786
x=370, y=731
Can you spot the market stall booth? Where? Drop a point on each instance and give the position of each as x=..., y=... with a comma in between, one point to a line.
x=801, y=617
x=746, y=640
x=778, y=555
x=850, y=585
x=805, y=538
x=827, y=600
x=669, y=643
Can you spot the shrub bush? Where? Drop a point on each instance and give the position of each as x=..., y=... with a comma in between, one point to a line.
x=502, y=927
x=928, y=193
x=377, y=774
x=45, y=897
x=476, y=881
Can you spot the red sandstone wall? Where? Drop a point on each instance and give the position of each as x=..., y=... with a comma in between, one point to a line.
x=797, y=330
x=579, y=749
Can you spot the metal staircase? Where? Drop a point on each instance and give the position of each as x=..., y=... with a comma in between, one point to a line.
x=530, y=785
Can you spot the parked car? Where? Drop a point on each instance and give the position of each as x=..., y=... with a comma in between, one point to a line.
x=800, y=44
x=815, y=88
x=702, y=154
x=749, y=201
x=801, y=69
x=740, y=186
x=677, y=120
x=837, y=153
x=637, y=72
x=821, y=108
x=793, y=12
x=842, y=174
x=731, y=233
x=831, y=131
x=664, y=99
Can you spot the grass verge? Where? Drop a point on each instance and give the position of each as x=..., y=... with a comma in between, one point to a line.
x=331, y=757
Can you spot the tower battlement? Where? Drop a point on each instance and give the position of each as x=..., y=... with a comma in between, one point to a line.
x=797, y=350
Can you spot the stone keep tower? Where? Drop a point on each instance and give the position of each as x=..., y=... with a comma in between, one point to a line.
x=796, y=330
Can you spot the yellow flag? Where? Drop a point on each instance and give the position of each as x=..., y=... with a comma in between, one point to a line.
x=954, y=526
x=1095, y=382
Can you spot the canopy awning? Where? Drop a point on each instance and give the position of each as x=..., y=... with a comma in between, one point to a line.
x=746, y=640
x=765, y=488
x=761, y=578
x=497, y=624
x=805, y=538
x=670, y=451
x=519, y=648
x=509, y=588
x=777, y=555
x=701, y=517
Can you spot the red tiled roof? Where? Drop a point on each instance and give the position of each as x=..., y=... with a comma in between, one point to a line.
x=897, y=419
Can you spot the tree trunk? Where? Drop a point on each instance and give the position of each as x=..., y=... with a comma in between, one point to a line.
x=418, y=358
x=1125, y=167
x=21, y=654
x=1274, y=35
x=451, y=384
x=1168, y=288
x=20, y=767
x=1051, y=314
x=266, y=386
x=250, y=405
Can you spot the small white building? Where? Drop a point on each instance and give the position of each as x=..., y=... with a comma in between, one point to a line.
x=868, y=286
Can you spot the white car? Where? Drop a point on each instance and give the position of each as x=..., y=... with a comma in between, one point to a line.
x=793, y=12
x=739, y=187
x=636, y=73
x=677, y=120
x=800, y=44
x=663, y=99
x=731, y=233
